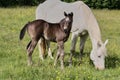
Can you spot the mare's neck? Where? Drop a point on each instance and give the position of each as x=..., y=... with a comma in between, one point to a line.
x=95, y=36
x=94, y=31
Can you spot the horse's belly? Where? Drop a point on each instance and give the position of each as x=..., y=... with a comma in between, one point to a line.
x=50, y=38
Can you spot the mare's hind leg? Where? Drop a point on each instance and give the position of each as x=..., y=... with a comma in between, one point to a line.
x=30, y=49
x=73, y=45
x=83, y=38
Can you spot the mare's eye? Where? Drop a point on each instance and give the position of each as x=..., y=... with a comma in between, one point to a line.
x=99, y=56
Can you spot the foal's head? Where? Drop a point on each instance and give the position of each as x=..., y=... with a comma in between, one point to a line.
x=66, y=23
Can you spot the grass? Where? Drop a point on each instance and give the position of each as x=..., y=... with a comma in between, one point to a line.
x=13, y=60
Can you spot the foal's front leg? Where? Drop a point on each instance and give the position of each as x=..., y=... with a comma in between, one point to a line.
x=60, y=53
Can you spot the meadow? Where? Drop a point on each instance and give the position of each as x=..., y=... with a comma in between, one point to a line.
x=13, y=58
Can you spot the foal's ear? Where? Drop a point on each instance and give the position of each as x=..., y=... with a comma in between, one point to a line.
x=71, y=14
x=65, y=14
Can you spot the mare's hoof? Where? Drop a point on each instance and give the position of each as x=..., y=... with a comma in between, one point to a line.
x=70, y=65
x=80, y=62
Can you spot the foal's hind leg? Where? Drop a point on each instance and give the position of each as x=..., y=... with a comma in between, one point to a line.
x=73, y=44
x=83, y=38
x=42, y=48
x=30, y=49
x=49, y=50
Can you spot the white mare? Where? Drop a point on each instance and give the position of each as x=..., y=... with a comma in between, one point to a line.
x=84, y=23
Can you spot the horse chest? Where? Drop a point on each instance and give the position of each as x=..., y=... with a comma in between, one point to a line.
x=61, y=36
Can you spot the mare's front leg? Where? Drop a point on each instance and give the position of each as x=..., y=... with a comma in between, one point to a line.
x=30, y=49
x=83, y=39
x=60, y=53
x=73, y=45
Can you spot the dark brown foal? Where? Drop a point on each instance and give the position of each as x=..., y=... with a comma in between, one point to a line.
x=57, y=32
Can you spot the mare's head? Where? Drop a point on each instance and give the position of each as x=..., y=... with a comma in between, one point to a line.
x=98, y=55
x=66, y=23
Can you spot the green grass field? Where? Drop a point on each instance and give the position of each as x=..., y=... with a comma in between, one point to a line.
x=13, y=59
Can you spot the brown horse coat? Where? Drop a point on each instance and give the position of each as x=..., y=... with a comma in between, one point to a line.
x=55, y=32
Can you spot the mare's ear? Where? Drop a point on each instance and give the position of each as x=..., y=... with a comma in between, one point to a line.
x=106, y=42
x=65, y=14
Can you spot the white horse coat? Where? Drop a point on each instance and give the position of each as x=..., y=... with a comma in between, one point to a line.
x=83, y=20
x=53, y=12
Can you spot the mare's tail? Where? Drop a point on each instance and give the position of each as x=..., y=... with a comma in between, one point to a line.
x=22, y=32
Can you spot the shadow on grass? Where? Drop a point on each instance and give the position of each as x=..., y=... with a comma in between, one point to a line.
x=77, y=61
x=112, y=62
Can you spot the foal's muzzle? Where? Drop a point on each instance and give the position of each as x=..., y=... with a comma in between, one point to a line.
x=65, y=30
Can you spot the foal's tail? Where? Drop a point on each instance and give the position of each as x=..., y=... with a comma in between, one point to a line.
x=22, y=32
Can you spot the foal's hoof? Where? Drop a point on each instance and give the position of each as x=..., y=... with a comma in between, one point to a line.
x=30, y=64
x=54, y=65
x=62, y=69
x=42, y=59
x=52, y=57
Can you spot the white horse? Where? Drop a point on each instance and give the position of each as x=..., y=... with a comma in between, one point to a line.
x=84, y=23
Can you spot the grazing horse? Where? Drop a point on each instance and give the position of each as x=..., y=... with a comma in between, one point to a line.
x=55, y=32
x=84, y=23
